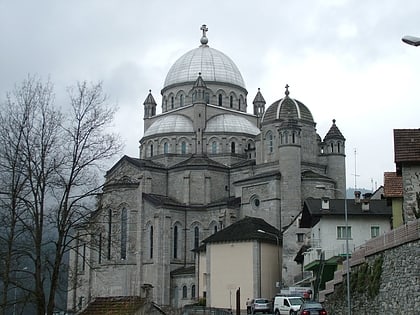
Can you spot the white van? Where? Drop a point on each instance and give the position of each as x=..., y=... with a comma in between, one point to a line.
x=287, y=305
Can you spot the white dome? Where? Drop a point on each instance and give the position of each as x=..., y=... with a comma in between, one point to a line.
x=170, y=124
x=213, y=65
x=231, y=123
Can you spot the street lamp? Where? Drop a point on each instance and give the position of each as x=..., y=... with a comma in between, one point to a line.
x=411, y=40
x=278, y=253
x=347, y=243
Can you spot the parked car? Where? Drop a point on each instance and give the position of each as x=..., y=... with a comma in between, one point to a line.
x=312, y=308
x=260, y=305
x=286, y=305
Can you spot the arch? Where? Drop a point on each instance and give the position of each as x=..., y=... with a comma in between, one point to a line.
x=184, y=291
x=220, y=100
x=193, y=291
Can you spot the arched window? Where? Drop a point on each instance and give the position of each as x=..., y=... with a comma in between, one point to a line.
x=183, y=147
x=269, y=139
x=220, y=100
x=172, y=102
x=239, y=104
x=100, y=248
x=193, y=291
x=196, y=237
x=109, y=234
x=124, y=224
x=332, y=147
x=181, y=100
x=231, y=101
x=151, y=150
x=151, y=242
x=184, y=292
x=214, y=147
x=232, y=147
x=165, y=148
x=293, y=138
x=215, y=229
x=338, y=147
x=175, y=242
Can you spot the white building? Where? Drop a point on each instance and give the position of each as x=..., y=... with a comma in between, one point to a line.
x=206, y=161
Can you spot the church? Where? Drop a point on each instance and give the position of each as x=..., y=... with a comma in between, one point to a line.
x=206, y=162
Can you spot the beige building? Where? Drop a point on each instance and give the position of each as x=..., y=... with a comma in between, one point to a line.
x=247, y=256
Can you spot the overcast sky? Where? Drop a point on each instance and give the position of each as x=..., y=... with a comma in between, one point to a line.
x=343, y=59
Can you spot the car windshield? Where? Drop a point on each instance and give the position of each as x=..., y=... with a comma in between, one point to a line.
x=261, y=301
x=313, y=305
x=296, y=301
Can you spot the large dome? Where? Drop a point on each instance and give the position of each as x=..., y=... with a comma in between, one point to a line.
x=213, y=65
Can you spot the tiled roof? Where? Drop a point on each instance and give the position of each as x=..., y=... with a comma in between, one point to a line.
x=334, y=133
x=393, y=186
x=407, y=145
x=115, y=305
x=245, y=230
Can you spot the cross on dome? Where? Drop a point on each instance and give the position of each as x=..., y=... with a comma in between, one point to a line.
x=204, y=40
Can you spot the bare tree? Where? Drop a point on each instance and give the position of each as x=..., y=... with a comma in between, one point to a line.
x=61, y=155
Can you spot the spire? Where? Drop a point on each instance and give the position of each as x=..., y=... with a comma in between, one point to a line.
x=199, y=82
x=204, y=40
x=334, y=133
x=200, y=93
x=149, y=106
x=259, y=104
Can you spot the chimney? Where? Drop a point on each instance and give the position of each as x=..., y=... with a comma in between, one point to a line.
x=365, y=205
x=357, y=194
x=325, y=203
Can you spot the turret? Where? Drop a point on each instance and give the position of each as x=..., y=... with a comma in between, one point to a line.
x=259, y=106
x=149, y=106
x=200, y=99
x=334, y=149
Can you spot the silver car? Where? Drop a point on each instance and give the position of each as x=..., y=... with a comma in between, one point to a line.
x=260, y=305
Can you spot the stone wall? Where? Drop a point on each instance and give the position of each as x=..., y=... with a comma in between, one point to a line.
x=386, y=282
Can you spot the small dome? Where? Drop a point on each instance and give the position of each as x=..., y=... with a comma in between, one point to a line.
x=287, y=108
x=170, y=124
x=231, y=123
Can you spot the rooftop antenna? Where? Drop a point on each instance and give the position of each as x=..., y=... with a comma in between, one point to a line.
x=355, y=170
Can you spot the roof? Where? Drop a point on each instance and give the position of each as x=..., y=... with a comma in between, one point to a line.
x=197, y=160
x=117, y=305
x=164, y=201
x=246, y=229
x=334, y=133
x=171, y=123
x=393, y=185
x=407, y=145
x=287, y=108
x=313, y=212
x=140, y=163
x=213, y=65
x=231, y=123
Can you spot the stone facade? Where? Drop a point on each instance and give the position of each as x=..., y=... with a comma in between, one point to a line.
x=204, y=163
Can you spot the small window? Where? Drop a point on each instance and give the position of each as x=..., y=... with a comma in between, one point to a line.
x=232, y=147
x=231, y=101
x=214, y=147
x=172, y=102
x=300, y=237
x=184, y=292
x=196, y=237
x=151, y=150
x=220, y=100
x=341, y=232
x=151, y=242
x=165, y=148
x=183, y=147
x=374, y=231
x=181, y=100
x=193, y=291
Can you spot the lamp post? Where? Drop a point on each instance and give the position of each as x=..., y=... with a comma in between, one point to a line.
x=347, y=245
x=411, y=40
x=278, y=254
